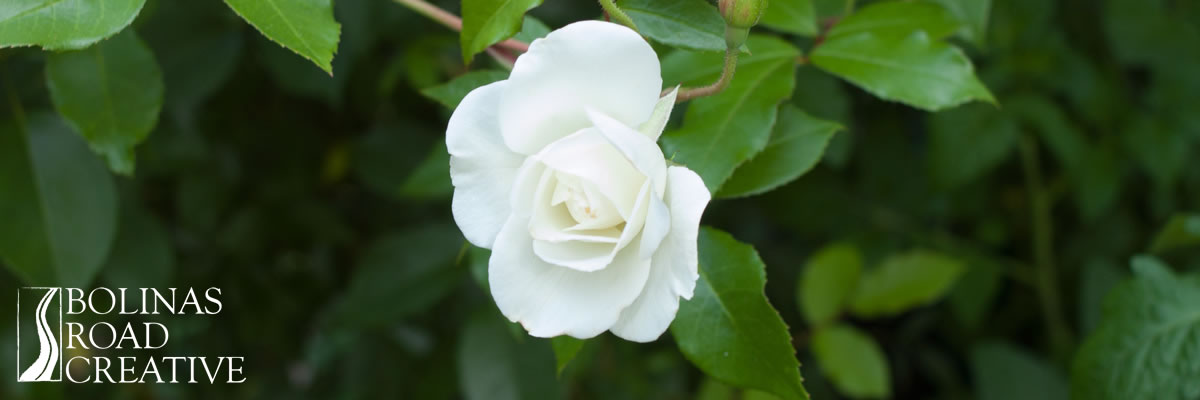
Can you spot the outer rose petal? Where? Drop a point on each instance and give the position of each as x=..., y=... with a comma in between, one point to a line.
x=549, y=300
x=674, y=266
x=602, y=65
x=482, y=169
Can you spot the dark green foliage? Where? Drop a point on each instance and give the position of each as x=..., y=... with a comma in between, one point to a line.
x=920, y=199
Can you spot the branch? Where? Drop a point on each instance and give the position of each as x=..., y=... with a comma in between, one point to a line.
x=454, y=22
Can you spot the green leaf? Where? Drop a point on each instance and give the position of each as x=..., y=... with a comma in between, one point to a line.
x=913, y=70
x=431, y=179
x=305, y=27
x=58, y=202
x=721, y=132
x=532, y=29
x=565, y=350
x=796, y=145
x=728, y=329
x=1005, y=372
x=401, y=274
x=1148, y=341
x=852, y=361
x=828, y=281
x=495, y=365
x=391, y=161
x=487, y=22
x=63, y=24
x=897, y=19
x=296, y=75
x=451, y=93
x=792, y=16
x=688, y=24
x=974, y=14
x=141, y=256
x=1183, y=230
x=111, y=93
x=967, y=142
x=905, y=281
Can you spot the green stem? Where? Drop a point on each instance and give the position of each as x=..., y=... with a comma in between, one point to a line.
x=616, y=14
x=1042, y=242
x=849, y=8
x=731, y=57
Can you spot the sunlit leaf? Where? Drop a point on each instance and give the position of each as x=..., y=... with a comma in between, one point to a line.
x=721, y=132
x=487, y=22
x=688, y=24
x=797, y=143
x=728, y=329
x=913, y=69
x=63, y=24
x=306, y=27
x=793, y=16
x=897, y=19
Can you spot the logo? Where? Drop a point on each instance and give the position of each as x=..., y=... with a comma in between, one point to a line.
x=43, y=307
x=118, y=335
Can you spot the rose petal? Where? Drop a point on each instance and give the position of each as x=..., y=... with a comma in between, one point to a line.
x=589, y=157
x=591, y=257
x=482, y=169
x=654, y=126
x=639, y=150
x=590, y=63
x=524, y=187
x=658, y=224
x=549, y=300
x=686, y=198
x=674, y=267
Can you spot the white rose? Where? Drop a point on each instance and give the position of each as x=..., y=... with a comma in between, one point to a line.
x=557, y=171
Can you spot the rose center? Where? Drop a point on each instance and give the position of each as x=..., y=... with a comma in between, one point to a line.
x=589, y=208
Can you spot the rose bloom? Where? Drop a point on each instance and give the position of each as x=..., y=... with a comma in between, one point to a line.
x=557, y=171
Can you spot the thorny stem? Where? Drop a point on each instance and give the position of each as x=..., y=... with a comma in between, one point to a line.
x=454, y=22
x=731, y=57
x=1042, y=241
x=616, y=14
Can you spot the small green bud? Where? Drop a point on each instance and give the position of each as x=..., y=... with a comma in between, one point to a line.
x=742, y=13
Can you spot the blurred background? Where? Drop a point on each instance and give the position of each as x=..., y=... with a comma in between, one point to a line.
x=320, y=206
